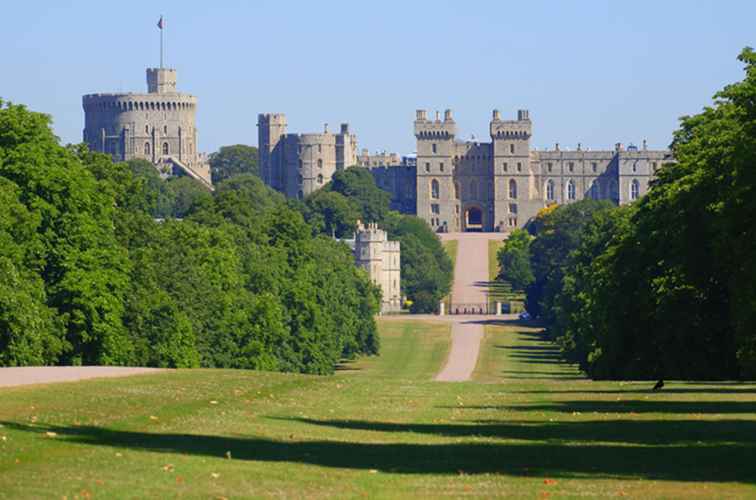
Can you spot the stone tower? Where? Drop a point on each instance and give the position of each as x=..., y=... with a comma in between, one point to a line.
x=435, y=171
x=299, y=164
x=158, y=126
x=513, y=177
x=271, y=128
x=381, y=258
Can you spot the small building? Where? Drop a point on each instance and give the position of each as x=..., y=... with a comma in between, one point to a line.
x=381, y=258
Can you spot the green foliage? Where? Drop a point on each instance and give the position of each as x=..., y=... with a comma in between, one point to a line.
x=353, y=195
x=230, y=161
x=666, y=288
x=514, y=260
x=88, y=276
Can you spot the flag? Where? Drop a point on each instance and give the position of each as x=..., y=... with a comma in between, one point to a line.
x=160, y=23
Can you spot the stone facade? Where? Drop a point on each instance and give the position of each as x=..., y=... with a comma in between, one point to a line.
x=299, y=164
x=158, y=126
x=500, y=185
x=379, y=159
x=381, y=258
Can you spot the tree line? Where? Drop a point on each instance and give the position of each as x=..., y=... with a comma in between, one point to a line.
x=90, y=274
x=664, y=287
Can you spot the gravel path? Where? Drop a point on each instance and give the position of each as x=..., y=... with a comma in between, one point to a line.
x=10, y=377
x=470, y=278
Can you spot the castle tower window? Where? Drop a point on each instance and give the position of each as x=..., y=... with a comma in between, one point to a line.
x=441, y=166
x=300, y=195
x=433, y=147
x=512, y=189
x=513, y=208
x=300, y=164
x=319, y=149
x=435, y=189
x=511, y=148
x=165, y=148
x=456, y=192
x=570, y=189
x=320, y=163
x=427, y=167
x=594, y=167
x=505, y=166
x=165, y=129
x=635, y=167
x=147, y=149
x=519, y=166
x=550, y=166
x=655, y=166
x=320, y=178
x=634, y=189
x=435, y=209
x=572, y=167
x=300, y=178
x=550, y=190
x=146, y=129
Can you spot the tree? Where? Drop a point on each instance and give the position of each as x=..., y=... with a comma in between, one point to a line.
x=332, y=213
x=357, y=184
x=230, y=161
x=514, y=260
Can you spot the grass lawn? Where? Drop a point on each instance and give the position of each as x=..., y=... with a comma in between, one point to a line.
x=527, y=425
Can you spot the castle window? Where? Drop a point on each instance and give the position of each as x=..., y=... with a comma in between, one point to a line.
x=456, y=190
x=146, y=129
x=165, y=129
x=165, y=148
x=570, y=190
x=456, y=209
x=572, y=167
x=594, y=167
x=519, y=167
x=655, y=166
x=300, y=195
x=433, y=146
x=441, y=166
x=513, y=208
x=435, y=189
x=320, y=178
x=435, y=209
x=147, y=149
x=319, y=149
x=505, y=166
x=550, y=190
x=550, y=166
x=511, y=148
x=512, y=189
x=320, y=163
x=634, y=189
x=427, y=166
x=300, y=164
x=635, y=167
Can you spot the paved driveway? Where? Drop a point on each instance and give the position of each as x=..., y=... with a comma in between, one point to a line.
x=27, y=375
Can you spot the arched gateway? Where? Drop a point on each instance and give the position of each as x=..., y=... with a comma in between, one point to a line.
x=473, y=219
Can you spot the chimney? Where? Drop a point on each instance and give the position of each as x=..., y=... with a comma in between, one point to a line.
x=344, y=128
x=579, y=146
x=325, y=128
x=438, y=116
x=448, y=116
x=421, y=115
x=556, y=148
x=522, y=114
x=496, y=115
x=645, y=146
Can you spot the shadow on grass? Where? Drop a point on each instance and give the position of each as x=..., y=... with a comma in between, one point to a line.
x=708, y=461
x=631, y=406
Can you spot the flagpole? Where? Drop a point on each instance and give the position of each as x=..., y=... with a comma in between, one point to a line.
x=161, y=42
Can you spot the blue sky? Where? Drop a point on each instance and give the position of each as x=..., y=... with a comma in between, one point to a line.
x=588, y=71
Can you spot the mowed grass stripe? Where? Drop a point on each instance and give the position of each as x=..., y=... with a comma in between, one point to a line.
x=382, y=428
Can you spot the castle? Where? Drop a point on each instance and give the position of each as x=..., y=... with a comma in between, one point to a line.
x=381, y=258
x=299, y=164
x=158, y=126
x=463, y=186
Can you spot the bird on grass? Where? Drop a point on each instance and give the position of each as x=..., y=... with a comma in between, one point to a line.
x=658, y=386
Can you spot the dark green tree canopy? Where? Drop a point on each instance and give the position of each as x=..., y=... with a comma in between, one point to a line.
x=230, y=161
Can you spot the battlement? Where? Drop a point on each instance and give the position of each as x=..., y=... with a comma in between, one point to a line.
x=271, y=119
x=511, y=129
x=437, y=129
